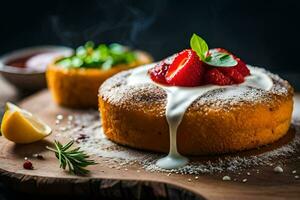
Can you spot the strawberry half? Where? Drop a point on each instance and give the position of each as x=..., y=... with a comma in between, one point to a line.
x=236, y=74
x=186, y=70
x=158, y=72
x=232, y=73
x=215, y=77
x=241, y=67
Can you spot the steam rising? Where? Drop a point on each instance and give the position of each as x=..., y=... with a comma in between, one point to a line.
x=105, y=21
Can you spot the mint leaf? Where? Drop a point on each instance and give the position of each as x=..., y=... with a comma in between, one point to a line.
x=220, y=59
x=199, y=46
x=217, y=59
x=225, y=56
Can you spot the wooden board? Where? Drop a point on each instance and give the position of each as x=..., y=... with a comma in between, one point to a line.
x=103, y=181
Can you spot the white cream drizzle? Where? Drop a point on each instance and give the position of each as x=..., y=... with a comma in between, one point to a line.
x=180, y=98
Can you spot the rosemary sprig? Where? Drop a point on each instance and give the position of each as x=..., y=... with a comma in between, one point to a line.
x=74, y=159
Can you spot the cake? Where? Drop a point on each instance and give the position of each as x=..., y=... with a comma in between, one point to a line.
x=215, y=110
x=74, y=81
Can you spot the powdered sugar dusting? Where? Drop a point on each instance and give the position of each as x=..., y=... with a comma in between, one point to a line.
x=116, y=91
x=95, y=143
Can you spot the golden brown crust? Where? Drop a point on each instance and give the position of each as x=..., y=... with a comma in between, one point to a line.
x=217, y=122
x=78, y=88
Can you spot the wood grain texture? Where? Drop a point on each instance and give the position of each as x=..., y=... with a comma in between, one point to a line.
x=103, y=181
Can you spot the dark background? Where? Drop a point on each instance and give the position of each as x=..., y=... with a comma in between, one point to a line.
x=263, y=33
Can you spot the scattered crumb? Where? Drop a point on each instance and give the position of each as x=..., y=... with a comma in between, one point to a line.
x=38, y=156
x=59, y=117
x=278, y=169
x=294, y=172
x=296, y=177
x=244, y=180
x=226, y=178
x=70, y=117
x=63, y=129
x=248, y=173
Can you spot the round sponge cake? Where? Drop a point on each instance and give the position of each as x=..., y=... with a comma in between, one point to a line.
x=219, y=121
x=78, y=87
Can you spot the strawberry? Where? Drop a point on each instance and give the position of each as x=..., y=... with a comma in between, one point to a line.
x=158, y=73
x=185, y=70
x=215, y=77
x=236, y=73
x=242, y=67
x=232, y=73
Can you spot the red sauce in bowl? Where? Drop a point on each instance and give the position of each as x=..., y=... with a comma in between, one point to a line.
x=20, y=62
x=36, y=62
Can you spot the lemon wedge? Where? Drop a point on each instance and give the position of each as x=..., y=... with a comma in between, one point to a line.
x=20, y=126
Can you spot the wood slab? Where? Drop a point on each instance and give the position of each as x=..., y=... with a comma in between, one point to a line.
x=48, y=178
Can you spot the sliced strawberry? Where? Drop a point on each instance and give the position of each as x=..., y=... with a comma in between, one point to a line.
x=215, y=77
x=158, y=73
x=186, y=70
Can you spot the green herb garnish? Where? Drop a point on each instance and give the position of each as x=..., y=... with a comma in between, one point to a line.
x=73, y=159
x=199, y=46
x=101, y=56
x=213, y=58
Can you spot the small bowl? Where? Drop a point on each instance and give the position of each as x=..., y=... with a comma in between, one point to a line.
x=29, y=79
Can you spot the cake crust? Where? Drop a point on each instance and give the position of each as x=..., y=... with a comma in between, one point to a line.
x=217, y=122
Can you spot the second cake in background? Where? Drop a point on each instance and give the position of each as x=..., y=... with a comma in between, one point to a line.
x=74, y=81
